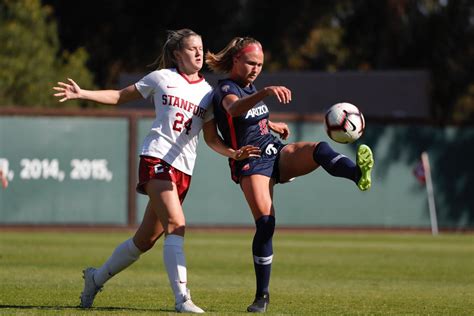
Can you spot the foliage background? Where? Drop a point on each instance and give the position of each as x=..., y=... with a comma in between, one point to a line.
x=97, y=40
x=31, y=58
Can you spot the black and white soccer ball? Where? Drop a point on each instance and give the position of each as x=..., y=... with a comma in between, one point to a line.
x=344, y=123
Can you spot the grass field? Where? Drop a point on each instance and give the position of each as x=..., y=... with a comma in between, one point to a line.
x=313, y=274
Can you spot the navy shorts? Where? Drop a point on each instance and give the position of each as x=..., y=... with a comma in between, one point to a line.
x=266, y=164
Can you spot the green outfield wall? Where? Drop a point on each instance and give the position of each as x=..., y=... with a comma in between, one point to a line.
x=397, y=198
x=64, y=170
x=75, y=170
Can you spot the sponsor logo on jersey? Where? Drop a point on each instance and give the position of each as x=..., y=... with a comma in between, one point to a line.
x=172, y=100
x=225, y=88
x=262, y=109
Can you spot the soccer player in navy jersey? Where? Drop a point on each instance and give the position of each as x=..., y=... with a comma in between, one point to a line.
x=243, y=119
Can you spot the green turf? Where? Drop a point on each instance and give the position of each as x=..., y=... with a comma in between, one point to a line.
x=313, y=274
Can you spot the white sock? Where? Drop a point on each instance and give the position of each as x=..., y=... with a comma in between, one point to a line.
x=124, y=255
x=173, y=256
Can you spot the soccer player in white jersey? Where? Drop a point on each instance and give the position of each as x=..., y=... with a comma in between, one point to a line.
x=182, y=101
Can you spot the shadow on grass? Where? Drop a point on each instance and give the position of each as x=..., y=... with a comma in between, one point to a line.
x=131, y=309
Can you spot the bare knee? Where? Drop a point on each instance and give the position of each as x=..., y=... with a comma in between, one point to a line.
x=145, y=243
x=296, y=160
x=175, y=227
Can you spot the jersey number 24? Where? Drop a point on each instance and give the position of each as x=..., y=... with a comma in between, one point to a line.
x=179, y=123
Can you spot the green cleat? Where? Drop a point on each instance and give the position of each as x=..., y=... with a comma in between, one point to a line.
x=365, y=162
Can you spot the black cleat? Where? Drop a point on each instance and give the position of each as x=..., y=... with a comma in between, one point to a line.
x=260, y=304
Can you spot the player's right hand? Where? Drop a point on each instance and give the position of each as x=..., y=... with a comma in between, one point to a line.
x=282, y=93
x=247, y=151
x=67, y=91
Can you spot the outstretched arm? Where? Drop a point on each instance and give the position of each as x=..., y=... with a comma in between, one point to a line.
x=214, y=141
x=235, y=106
x=71, y=90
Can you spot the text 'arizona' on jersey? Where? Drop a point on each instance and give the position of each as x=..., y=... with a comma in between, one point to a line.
x=250, y=128
x=181, y=107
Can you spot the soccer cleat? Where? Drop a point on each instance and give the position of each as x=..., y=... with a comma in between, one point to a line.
x=187, y=306
x=260, y=304
x=90, y=289
x=365, y=162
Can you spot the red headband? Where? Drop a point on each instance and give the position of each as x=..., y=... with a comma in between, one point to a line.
x=253, y=47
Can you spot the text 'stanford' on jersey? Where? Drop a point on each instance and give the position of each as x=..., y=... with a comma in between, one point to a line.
x=181, y=108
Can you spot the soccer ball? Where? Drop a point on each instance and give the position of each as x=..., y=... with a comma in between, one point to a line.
x=344, y=123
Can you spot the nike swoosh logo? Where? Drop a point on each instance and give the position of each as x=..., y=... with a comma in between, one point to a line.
x=353, y=125
x=345, y=119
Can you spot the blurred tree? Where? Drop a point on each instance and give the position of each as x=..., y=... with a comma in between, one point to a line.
x=126, y=36
x=30, y=60
x=437, y=35
x=299, y=36
x=339, y=35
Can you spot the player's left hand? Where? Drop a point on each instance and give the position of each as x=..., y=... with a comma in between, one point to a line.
x=246, y=151
x=280, y=128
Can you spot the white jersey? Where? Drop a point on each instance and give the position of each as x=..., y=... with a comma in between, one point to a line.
x=181, y=107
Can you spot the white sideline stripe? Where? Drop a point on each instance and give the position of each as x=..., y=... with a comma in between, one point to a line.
x=335, y=159
x=263, y=260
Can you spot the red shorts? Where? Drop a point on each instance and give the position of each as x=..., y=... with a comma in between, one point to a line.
x=155, y=168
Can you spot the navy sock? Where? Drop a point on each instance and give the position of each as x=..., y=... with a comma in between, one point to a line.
x=335, y=163
x=262, y=250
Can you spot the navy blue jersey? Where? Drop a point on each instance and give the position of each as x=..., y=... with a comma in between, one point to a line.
x=250, y=128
